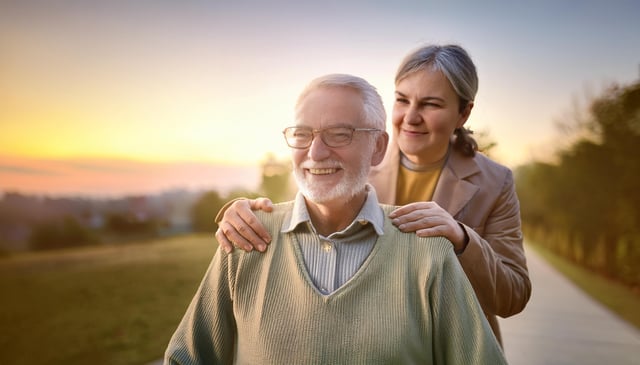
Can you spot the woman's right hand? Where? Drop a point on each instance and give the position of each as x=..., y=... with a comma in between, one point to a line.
x=241, y=228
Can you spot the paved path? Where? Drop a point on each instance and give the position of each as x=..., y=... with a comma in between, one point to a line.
x=561, y=325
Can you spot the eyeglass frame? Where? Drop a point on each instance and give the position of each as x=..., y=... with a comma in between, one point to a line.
x=320, y=131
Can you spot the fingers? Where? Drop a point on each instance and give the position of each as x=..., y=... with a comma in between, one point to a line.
x=251, y=228
x=223, y=242
x=427, y=217
x=434, y=219
x=263, y=204
x=421, y=223
x=441, y=230
x=411, y=207
x=240, y=227
x=241, y=235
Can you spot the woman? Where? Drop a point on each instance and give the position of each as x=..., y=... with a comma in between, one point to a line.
x=445, y=187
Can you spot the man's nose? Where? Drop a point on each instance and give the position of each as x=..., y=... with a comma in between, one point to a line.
x=318, y=150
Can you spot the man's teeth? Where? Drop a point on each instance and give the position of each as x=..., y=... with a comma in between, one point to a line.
x=322, y=171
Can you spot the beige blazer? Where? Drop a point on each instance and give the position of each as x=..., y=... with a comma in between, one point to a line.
x=480, y=194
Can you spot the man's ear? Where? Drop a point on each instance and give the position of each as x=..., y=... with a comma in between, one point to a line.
x=382, y=141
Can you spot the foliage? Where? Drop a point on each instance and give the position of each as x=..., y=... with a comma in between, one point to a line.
x=57, y=234
x=127, y=224
x=586, y=206
x=206, y=208
x=276, y=180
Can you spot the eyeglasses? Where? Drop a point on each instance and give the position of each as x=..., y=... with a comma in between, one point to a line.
x=301, y=137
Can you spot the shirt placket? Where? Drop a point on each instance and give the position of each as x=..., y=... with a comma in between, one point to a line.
x=328, y=284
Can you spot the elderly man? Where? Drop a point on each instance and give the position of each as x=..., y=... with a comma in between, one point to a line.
x=339, y=284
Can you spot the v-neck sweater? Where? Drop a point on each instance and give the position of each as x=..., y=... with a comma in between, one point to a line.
x=410, y=302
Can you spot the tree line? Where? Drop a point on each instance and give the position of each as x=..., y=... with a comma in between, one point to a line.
x=43, y=223
x=585, y=205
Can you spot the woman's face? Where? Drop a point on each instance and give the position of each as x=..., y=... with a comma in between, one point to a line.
x=425, y=114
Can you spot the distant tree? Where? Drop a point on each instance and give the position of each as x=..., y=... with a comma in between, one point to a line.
x=204, y=212
x=126, y=224
x=276, y=179
x=59, y=234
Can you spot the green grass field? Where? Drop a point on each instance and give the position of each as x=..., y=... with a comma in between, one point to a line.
x=100, y=305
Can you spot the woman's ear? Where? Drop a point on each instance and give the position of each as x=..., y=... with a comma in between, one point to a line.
x=464, y=115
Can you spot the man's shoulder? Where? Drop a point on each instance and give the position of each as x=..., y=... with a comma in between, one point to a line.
x=410, y=241
x=274, y=220
x=279, y=210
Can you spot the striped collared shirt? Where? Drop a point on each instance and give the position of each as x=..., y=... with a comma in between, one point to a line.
x=332, y=260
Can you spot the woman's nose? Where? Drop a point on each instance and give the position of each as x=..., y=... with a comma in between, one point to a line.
x=412, y=116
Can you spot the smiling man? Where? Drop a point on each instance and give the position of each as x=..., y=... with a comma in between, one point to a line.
x=339, y=284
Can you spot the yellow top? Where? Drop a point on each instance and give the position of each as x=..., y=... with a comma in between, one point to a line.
x=417, y=183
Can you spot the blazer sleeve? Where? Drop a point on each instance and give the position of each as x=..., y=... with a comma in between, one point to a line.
x=206, y=334
x=494, y=259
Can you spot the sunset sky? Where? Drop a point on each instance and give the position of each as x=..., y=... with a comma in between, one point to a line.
x=109, y=97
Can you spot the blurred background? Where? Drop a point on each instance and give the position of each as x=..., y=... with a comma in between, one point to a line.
x=125, y=125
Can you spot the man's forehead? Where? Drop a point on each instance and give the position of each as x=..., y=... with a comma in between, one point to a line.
x=331, y=100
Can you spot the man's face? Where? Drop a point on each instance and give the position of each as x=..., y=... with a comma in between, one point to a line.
x=326, y=174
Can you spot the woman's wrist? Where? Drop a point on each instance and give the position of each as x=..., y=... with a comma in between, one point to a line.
x=462, y=244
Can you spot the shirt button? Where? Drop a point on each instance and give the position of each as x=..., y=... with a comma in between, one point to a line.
x=326, y=246
x=362, y=222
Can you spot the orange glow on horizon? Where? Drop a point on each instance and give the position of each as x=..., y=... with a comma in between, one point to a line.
x=109, y=177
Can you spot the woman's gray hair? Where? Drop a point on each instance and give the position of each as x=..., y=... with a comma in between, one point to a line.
x=456, y=65
x=374, y=113
x=452, y=60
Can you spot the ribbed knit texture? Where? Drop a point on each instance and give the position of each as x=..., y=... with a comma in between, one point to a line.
x=409, y=303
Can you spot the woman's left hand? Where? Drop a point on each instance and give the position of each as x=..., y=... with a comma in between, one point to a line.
x=428, y=219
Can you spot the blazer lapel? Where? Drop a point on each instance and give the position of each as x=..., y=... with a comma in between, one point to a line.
x=384, y=177
x=453, y=190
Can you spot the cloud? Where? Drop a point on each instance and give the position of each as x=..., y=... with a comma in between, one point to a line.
x=110, y=177
x=12, y=169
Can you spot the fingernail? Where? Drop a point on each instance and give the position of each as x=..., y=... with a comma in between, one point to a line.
x=262, y=248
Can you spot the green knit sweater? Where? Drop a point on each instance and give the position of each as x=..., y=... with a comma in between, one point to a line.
x=410, y=303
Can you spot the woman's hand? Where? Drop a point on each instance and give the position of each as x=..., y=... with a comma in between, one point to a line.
x=428, y=219
x=240, y=227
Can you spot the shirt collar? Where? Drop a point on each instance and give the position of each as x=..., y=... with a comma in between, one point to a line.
x=371, y=212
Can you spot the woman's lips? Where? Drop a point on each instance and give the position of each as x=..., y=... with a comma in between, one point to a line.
x=414, y=133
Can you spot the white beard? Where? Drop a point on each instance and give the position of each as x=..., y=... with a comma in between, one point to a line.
x=352, y=183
